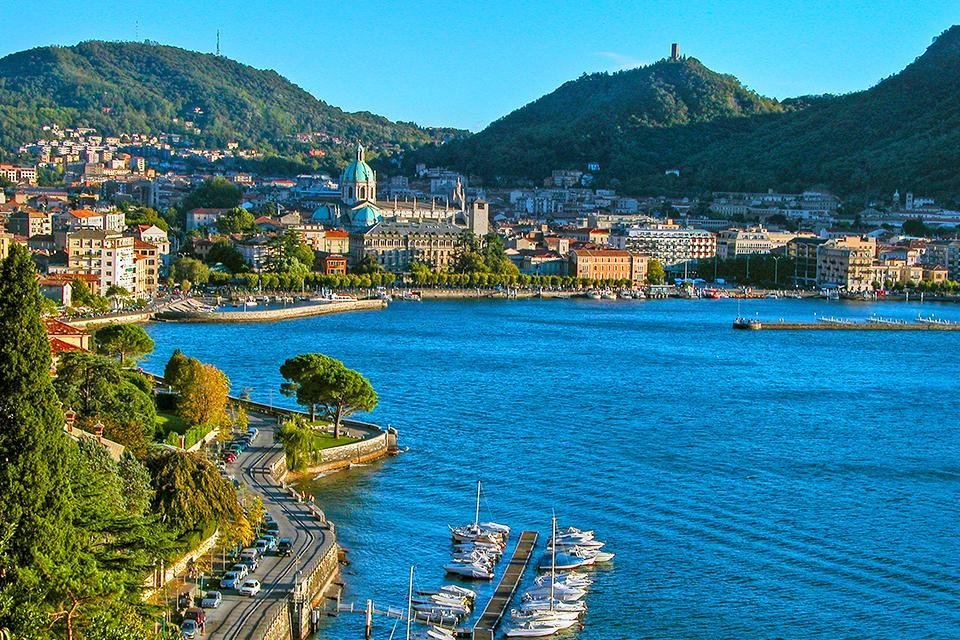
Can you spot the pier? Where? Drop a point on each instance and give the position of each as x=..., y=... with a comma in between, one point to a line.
x=493, y=613
x=835, y=324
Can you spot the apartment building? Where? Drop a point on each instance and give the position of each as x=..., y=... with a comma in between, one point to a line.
x=108, y=255
x=609, y=264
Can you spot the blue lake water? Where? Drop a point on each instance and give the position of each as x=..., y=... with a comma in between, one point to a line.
x=753, y=484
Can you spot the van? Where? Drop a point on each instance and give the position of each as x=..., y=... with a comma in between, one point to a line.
x=249, y=554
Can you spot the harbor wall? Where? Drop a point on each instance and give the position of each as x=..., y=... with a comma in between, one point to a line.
x=271, y=314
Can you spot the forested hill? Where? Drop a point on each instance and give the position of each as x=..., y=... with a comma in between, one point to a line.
x=902, y=133
x=137, y=87
x=583, y=120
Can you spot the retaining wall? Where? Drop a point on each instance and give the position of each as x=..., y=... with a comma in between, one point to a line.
x=270, y=314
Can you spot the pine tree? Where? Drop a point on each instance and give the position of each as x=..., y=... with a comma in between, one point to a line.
x=35, y=504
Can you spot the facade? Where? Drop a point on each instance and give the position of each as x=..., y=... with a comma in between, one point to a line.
x=846, y=263
x=255, y=251
x=397, y=245
x=149, y=260
x=19, y=175
x=6, y=239
x=203, y=217
x=334, y=264
x=803, y=251
x=109, y=256
x=945, y=253
x=671, y=247
x=608, y=264
x=29, y=222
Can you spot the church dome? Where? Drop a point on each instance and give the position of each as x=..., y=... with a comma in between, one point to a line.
x=358, y=170
x=366, y=216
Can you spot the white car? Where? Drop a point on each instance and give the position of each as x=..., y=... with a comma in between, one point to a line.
x=249, y=588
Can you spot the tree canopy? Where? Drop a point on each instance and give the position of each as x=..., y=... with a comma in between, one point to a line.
x=123, y=340
x=319, y=381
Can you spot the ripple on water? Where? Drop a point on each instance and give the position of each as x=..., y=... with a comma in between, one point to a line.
x=759, y=485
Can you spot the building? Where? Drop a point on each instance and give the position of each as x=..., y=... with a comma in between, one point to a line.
x=6, y=239
x=608, y=264
x=107, y=255
x=149, y=260
x=19, y=175
x=670, y=246
x=256, y=251
x=334, y=264
x=397, y=245
x=203, y=217
x=847, y=263
x=803, y=252
x=945, y=253
x=29, y=222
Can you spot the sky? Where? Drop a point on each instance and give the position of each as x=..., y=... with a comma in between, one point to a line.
x=465, y=64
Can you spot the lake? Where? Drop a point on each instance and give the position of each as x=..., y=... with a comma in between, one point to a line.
x=752, y=484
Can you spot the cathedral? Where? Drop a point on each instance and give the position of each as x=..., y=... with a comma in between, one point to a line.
x=358, y=209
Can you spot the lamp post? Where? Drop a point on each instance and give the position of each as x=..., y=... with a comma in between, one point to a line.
x=776, y=270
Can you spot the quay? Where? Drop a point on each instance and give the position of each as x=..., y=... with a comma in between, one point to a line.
x=757, y=325
x=493, y=613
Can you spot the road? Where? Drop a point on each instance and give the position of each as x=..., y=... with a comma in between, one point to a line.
x=237, y=618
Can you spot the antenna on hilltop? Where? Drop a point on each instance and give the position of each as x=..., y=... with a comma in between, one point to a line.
x=136, y=30
x=218, y=42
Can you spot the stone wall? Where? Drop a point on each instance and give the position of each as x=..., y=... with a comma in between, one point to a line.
x=271, y=314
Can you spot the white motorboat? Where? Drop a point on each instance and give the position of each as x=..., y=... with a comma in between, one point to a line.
x=555, y=591
x=552, y=605
x=452, y=589
x=437, y=617
x=576, y=578
x=563, y=545
x=544, y=614
x=433, y=607
x=590, y=554
x=465, y=570
x=533, y=629
x=608, y=295
x=441, y=600
x=566, y=562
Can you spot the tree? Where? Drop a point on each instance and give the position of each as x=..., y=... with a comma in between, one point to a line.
x=175, y=368
x=224, y=253
x=189, y=493
x=236, y=220
x=216, y=193
x=123, y=340
x=656, y=274
x=368, y=264
x=317, y=380
x=203, y=394
x=87, y=382
x=190, y=269
x=35, y=497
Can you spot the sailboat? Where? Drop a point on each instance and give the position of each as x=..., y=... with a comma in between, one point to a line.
x=481, y=532
x=543, y=622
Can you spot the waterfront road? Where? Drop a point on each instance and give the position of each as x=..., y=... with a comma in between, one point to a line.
x=239, y=617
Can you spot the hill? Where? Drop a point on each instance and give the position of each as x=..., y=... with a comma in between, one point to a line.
x=121, y=87
x=902, y=133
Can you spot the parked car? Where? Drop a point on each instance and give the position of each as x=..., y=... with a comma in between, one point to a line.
x=273, y=528
x=229, y=580
x=268, y=518
x=284, y=547
x=271, y=541
x=253, y=432
x=229, y=457
x=189, y=629
x=251, y=563
x=212, y=600
x=250, y=553
x=241, y=570
x=262, y=546
x=197, y=615
x=250, y=588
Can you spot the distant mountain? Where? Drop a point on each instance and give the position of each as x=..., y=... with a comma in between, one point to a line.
x=121, y=87
x=902, y=133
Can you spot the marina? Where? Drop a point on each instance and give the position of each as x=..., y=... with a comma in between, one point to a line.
x=843, y=324
x=493, y=613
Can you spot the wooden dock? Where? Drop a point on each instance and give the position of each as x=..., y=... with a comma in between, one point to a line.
x=507, y=587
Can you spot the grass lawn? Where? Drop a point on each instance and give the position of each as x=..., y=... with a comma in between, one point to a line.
x=170, y=423
x=325, y=439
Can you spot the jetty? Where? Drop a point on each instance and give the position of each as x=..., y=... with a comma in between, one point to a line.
x=493, y=613
x=841, y=324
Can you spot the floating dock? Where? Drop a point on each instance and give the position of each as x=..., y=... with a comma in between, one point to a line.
x=493, y=613
x=839, y=324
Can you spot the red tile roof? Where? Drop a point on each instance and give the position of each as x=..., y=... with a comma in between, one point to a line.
x=58, y=346
x=59, y=328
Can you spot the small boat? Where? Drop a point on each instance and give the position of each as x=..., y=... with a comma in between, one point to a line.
x=594, y=295
x=475, y=571
x=746, y=323
x=544, y=614
x=608, y=295
x=487, y=532
x=551, y=605
x=533, y=629
x=411, y=296
x=566, y=562
x=557, y=591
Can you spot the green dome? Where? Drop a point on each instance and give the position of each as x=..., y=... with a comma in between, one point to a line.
x=358, y=170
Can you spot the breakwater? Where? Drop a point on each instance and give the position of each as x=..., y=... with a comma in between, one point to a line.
x=847, y=326
x=265, y=315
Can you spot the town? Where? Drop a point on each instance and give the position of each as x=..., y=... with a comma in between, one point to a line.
x=118, y=224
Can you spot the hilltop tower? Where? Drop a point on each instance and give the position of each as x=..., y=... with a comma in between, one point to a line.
x=675, y=51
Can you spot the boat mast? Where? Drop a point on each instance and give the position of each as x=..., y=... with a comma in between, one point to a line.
x=410, y=603
x=476, y=518
x=553, y=560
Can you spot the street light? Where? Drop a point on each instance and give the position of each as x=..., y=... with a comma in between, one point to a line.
x=776, y=270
